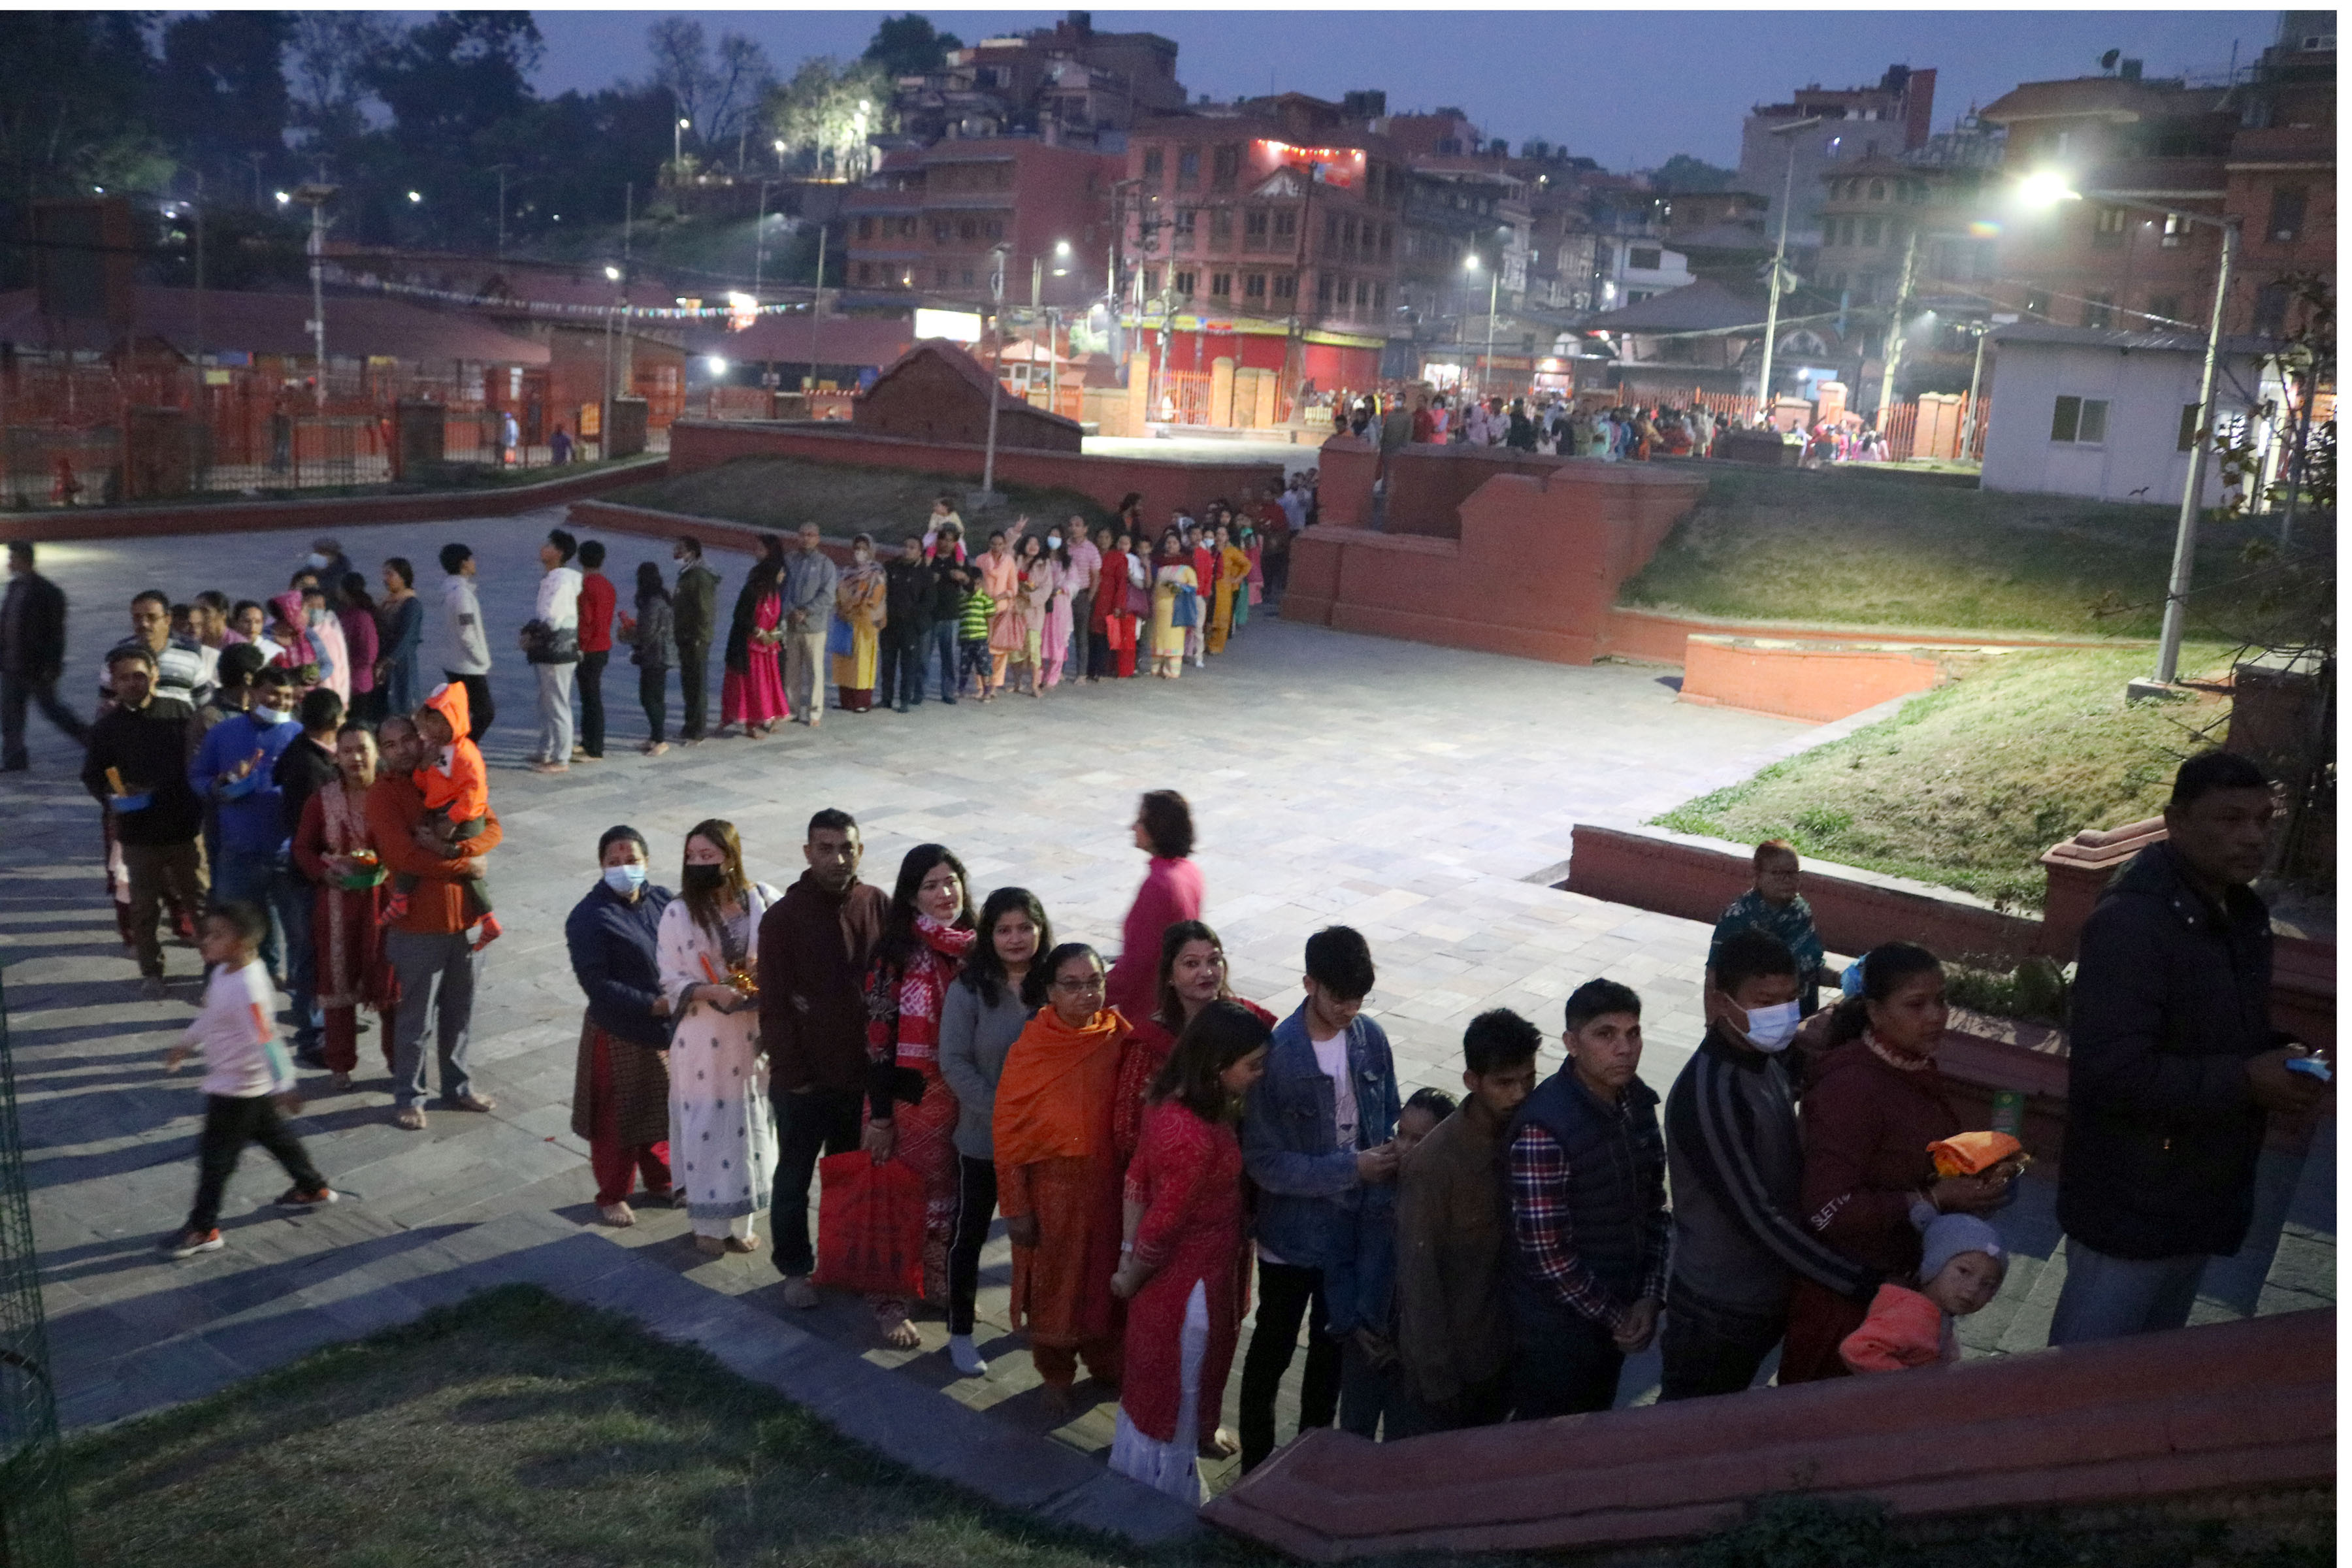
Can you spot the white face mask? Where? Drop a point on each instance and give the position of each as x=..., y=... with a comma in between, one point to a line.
x=1772, y=1028
x=1052, y=542
x=317, y=561
x=624, y=880
x=272, y=717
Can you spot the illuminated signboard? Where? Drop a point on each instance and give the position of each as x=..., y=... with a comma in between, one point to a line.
x=1330, y=166
x=956, y=326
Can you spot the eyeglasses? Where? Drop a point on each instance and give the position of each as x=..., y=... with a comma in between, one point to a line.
x=1087, y=983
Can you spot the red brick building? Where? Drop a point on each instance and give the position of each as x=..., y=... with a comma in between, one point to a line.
x=1269, y=232
x=921, y=228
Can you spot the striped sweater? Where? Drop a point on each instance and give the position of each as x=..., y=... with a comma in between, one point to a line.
x=1736, y=1166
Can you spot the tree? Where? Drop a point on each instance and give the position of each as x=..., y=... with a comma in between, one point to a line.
x=909, y=45
x=220, y=93
x=1684, y=173
x=825, y=113
x=720, y=93
x=333, y=56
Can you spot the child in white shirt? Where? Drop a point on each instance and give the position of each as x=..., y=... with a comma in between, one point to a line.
x=248, y=1077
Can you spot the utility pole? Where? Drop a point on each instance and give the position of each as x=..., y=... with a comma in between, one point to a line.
x=501, y=169
x=316, y=195
x=1976, y=379
x=628, y=218
x=1894, y=333
x=2192, y=494
x=760, y=239
x=1779, y=262
x=995, y=373
x=604, y=420
x=816, y=309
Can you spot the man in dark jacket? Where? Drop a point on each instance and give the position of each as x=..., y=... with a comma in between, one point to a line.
x=911, y=584
x=694, y=606
x=136, y=766
x=305, y=767
x=32, y=656
x=2174, y=1067
x=814, y=944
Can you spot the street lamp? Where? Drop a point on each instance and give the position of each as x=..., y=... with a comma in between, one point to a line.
x=604, y=419
x=996, y=255
x=1787, y=130
x=2046, y=188
x=315, y=195
x=414, y=197
x=677, y=140
x=1494, y=283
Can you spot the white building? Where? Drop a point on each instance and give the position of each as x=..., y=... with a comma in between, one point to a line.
x=1632, y=269
x=2110, y=415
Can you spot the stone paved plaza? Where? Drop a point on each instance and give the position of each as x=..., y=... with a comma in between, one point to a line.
x=1421, y=794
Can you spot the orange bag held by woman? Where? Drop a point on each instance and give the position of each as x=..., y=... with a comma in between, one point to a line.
x=869, y=1226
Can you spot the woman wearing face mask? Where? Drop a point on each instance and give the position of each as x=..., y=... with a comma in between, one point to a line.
x=910, y=1114
x=861, y=603
x=719, y=1119
x=1063, y=580
x=335, y=853
x=1876, y=1104
x=620, y=1088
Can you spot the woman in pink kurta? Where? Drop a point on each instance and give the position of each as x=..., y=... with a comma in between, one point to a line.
x=1185, y=1272
x=1172, y=891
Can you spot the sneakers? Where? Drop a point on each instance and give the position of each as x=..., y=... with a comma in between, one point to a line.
x=296, y=1198
x=188, y=1243
x=489, y=931
x=969, y=1362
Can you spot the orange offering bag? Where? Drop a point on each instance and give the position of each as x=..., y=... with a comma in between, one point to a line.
x=1977, y=1153
x=869, y=1226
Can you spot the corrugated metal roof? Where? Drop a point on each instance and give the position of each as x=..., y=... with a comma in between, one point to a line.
x=2056, y=336
x=273, y=323
x=785, y=339
x=1703, y=306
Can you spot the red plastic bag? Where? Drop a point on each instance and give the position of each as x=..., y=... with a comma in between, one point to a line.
x=869, y=1226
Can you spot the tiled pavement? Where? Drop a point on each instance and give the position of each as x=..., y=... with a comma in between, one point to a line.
x=1421, y=794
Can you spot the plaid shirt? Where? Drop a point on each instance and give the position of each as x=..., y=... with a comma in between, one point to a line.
x=1546, y=1238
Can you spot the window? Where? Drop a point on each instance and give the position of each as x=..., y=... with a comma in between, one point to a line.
x=2081, y=420
x=941, y=231
x=866, y=228
x=2175, y=231
x=1254, y=286
x=2187, y=440
x=996, y=228
x=1188, y=221
x=967, y=276
x=2099, y=311
x=1323, y=289
x=1183, y=282
x=1285, y=288
x=939, y=277
x=1221, y=285
x=1150, y=281
x=1388, y=241
x=1379, y=296
x=2108, y=227
x=1226, y=168
x=1330, y=232
x=1644, y=258
x=2037, y=302
x=1870, y=227
x=1363, y=293
x=2165, y=308
x=1254, y=228
x=1220, y=228
x=866, y=273
x=1878, y=190
x=1348, y=234
x=1188, y=168
x=967, y=228
x=1155, y=163
x=2286, y=214
x=1286, y=228
x=2270, y=310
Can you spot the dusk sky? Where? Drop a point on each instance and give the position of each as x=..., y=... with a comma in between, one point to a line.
x=1630, y=87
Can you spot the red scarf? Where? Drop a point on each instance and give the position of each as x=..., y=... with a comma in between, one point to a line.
x=904, y=1001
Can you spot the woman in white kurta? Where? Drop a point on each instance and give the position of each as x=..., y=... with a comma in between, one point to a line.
x=722, y=1135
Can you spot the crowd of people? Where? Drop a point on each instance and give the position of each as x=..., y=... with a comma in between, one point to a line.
x=1547, y=424
x=1153, y=1143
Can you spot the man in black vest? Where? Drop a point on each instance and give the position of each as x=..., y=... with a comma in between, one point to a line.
x=1586, y=1167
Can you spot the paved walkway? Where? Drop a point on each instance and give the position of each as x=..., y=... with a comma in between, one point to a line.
x=1424, y=796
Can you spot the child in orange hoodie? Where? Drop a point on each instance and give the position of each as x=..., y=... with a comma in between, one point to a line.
x=1961, y=1265
x=456, y=790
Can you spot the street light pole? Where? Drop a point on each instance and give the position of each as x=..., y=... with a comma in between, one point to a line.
x=1976, y=379
x=995, y=373
x=1486, y=366
x=1780, y=260
x=2192, y=494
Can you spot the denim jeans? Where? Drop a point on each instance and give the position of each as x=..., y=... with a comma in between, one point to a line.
x=437, y=977
x=939, y=645
x=254, y=876
x=2107, y=1298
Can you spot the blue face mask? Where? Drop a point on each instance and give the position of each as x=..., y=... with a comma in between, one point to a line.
x=625, y=880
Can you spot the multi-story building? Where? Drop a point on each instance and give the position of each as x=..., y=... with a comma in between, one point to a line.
x=1458, y=208
x=1269, y=231
x=1066, y=81
x=2281, y=177
x=1857, y=122
x=921, y=228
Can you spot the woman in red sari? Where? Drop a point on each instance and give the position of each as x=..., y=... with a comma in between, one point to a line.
x=1183, y=1267
x=911, y=1114
x=1057, y=1177
x=333, y=851
x=1191, y=976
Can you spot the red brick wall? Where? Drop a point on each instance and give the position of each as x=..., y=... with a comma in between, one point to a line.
x=927, y=400
x=1428, y=484
x=697, y=444
x=1797, y=682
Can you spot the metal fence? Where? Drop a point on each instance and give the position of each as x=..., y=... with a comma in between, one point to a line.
x=35, y=1530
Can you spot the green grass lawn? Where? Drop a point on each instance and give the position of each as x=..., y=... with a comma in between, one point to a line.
x=515, y=1430
x=1850, y=549
x=1971, y=783
x=779, y=494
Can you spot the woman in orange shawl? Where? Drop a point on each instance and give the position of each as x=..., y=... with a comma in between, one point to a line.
x=1057, y=1172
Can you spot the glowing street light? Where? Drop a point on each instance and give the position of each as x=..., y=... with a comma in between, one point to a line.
x=612, y=275
x=283, y=198
x=414, y=197
x=2046, y=187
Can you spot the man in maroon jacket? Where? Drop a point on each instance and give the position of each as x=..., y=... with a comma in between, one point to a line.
x=813, y=947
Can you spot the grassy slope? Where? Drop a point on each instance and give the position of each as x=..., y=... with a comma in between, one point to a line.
x=1857, y=549
x=781, y=493
x=1970, y=784
x=522, y=1431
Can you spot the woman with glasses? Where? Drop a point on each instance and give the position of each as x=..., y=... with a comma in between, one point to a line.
x=1057, y=1172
